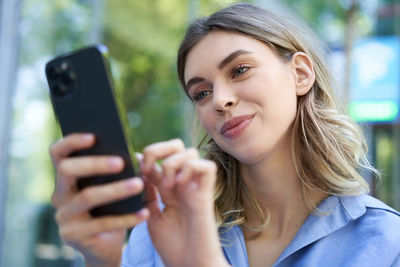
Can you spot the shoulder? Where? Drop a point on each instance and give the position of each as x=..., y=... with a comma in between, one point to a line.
x=381, y=218
x=373, y=222
x=367, y=207
x=375, y=211
x=367, y=232
x=140, y=250
x=373, y=203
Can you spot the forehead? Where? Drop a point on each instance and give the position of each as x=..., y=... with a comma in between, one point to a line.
x=215, y=46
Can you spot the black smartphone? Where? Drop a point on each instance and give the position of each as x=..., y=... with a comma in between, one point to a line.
x=84, y=100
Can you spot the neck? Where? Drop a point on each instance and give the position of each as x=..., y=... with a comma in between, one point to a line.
x=277, y=188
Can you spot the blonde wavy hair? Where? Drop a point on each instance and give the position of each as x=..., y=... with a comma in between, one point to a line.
x=328, y=147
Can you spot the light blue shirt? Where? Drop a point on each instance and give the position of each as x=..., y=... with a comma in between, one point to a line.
x=357, y=231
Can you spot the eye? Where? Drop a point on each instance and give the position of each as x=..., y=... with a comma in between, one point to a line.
x=201, y=95
x=239, y=71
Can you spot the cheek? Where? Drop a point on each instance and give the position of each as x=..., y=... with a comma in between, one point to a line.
x=282, y=92
x=206, y=120
x=283, y=108
x=277, y=100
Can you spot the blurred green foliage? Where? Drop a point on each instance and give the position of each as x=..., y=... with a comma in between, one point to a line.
x=142, y=38
x=329, y=19
x=384, y=161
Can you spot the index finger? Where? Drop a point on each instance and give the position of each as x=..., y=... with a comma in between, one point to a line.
x=159, y=151
x=69, y=144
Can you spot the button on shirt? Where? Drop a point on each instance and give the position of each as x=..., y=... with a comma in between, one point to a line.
x=345, y=231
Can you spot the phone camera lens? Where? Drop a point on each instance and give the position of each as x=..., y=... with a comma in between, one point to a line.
x=64, y=66
x=59, y=90
x=54, y=72
x=68, y=77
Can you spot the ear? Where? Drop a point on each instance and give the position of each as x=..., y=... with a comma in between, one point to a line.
x=303, y=71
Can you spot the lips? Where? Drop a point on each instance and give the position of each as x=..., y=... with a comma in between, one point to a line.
x=234, y=126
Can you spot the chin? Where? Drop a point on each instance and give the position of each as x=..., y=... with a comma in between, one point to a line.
x=246, y=154
x=254, y=152
x=250, y=159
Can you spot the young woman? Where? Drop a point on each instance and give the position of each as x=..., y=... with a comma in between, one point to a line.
x=279, y=184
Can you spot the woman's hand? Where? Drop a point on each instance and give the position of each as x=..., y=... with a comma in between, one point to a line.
x=184, y=232
x=100, y=239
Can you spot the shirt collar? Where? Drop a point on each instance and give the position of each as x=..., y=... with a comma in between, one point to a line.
x=234, y=246
x=332, y=214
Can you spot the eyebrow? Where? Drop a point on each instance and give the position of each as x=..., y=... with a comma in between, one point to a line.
x=231, y=57
x=221, y=65
x=193, y=81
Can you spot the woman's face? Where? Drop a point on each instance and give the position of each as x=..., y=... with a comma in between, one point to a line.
x=245, y=95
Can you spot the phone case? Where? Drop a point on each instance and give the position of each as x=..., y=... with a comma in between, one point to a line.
x=84, y=101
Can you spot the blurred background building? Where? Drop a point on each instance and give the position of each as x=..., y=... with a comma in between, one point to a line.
x=143, y=37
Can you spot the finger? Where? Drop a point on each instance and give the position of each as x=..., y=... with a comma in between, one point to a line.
x=197, y=173
x=152, y=193
x=154, y=208
x=70, y=169
x=94, y=196
x=81, y=230
x=70, y=144
x=139, y=157
x=160, y=151
x=152, y=199
x=154, y=176
x=174, y=163
x=63, y=191
x=90, y=165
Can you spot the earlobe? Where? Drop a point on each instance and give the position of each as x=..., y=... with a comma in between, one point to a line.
x=303, y=73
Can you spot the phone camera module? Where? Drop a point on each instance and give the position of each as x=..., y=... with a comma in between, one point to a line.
x=62, y=78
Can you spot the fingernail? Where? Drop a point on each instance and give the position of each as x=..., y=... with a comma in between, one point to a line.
x=134, y=182
x=143, y=213
x=138, y=156
x=115, y=162
x=87, y=137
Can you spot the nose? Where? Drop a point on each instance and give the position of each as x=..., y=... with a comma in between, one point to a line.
x=224, y=98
